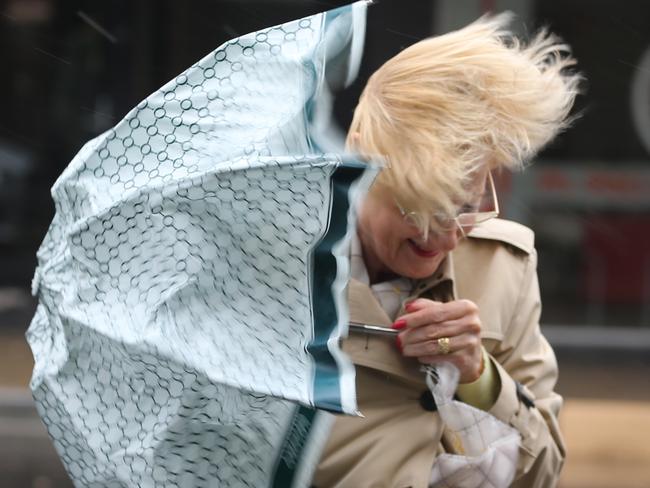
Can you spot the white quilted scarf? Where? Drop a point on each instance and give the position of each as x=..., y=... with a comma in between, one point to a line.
x=488, y=448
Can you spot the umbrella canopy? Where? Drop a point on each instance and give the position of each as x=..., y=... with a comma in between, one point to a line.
x=191, y=285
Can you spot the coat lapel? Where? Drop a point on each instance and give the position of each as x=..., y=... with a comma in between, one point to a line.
x=364, y=307
x=371, y=350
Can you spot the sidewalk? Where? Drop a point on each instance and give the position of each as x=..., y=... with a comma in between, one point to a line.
x=607, y=444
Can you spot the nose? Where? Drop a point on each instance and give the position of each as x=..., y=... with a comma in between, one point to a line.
x=447, y=240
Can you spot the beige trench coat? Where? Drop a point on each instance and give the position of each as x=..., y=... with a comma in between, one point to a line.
x=395, y=444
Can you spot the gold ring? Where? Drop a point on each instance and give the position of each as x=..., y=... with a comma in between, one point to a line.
x=443, y=345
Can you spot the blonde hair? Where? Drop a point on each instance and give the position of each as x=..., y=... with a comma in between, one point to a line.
x=445, y=106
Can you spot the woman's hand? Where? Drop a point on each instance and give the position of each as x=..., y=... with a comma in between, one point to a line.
x=426, y=322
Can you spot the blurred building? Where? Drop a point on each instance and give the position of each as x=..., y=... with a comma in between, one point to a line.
x=73, y=69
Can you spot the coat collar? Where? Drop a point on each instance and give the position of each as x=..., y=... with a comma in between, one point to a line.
x=444, y=276
x=365, y=309
x=380, y=352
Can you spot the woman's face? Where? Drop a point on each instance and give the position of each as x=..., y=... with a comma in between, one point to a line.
x=393, y=246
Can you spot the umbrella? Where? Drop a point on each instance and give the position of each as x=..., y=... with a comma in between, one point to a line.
x=191, y=284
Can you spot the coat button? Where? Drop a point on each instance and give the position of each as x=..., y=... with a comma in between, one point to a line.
x=427, y=402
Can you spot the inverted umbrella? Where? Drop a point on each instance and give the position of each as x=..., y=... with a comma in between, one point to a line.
x=191, y=284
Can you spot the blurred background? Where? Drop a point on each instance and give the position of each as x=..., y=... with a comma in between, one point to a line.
x=72, y=69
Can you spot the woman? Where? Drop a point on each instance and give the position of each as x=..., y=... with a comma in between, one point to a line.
x=431, y=262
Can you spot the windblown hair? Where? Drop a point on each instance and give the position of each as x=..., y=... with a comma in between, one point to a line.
x=446, y=105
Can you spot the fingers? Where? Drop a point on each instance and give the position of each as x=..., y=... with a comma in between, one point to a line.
x=470, y=364
x=458, y=322
x=470, y=324
x=426, y=324
x=423, y=312
x=426, y=349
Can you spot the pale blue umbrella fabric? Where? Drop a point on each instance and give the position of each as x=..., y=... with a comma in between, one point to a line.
x=191, y=285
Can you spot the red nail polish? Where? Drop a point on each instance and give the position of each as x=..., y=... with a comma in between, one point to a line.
x=398, y=341
x=408, y=305
x=399, y=324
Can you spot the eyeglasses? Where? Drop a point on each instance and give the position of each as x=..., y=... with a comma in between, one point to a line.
x=469, y=215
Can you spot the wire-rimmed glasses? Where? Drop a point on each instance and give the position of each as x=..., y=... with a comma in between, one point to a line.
x=469, y=215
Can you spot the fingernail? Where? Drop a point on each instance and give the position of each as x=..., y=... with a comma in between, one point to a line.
x=399, y=324
x=398, y=341
x=408, y=305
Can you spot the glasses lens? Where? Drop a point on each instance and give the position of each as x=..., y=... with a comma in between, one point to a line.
x=488, y=203
x=467, y=220
x=443, y=223
x=471, y=214
x=486, y=207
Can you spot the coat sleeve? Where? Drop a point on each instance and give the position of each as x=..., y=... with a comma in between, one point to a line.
x=527, y=370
